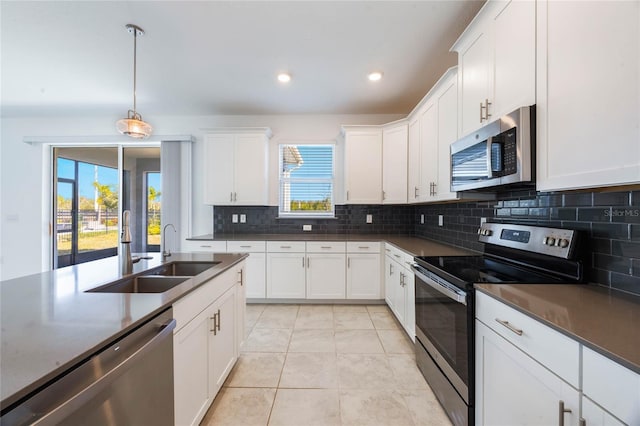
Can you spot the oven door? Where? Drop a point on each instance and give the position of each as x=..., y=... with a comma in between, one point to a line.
x=442, y=326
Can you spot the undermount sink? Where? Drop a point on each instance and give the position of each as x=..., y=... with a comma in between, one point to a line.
x=183, y=268
x=142, y=284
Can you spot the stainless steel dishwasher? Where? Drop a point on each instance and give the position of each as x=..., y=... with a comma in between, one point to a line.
x=130, y=382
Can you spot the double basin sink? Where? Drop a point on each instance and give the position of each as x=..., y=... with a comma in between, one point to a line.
x=157, y=280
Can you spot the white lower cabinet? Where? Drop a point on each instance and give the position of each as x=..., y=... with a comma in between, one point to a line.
x=286, y=274
x=514, y=389
x=526, y=372
x=205, y=344
x=363, y=270
x=594, y=415
x=325, y=276
x=399, y=287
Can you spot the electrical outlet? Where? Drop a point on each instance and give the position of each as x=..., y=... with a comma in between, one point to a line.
x=243, y=218
x=369, y=218
x=234, y=218
x=440, y=220
x=483, y=220
x=306, y=227
x=422, y=219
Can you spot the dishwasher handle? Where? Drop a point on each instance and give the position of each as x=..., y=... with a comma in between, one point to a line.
x=63, y=410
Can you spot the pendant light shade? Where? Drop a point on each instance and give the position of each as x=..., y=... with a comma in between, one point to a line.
x=133, y=125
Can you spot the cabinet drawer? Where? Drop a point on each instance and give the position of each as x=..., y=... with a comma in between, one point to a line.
x=188, y=307
x=612, y=386
x=189, y=246
x=550, y=348
x=246, y=246
x=326, y=246
x=363, y=247
x=285, y=246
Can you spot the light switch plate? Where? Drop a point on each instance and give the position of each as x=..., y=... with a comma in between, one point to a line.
x=369, y=218
x=243, y=218
x=440, y=220
x=483, y=220
x=306, y=227
x=234, y=218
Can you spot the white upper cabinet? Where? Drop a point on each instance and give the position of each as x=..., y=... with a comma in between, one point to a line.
x=394, y=163
x=588, y=92
x=362, y=164
x=413, y=162
x=236, y=167
x=433, y=126
x=496, y=60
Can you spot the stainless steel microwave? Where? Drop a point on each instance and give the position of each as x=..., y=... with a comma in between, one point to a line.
x=500, y=153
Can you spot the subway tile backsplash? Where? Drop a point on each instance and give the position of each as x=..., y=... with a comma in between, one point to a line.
x=611, y=221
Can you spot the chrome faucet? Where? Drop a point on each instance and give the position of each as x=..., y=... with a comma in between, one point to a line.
x=124, y=257
x=166, y=253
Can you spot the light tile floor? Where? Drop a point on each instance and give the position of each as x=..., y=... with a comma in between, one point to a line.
x=325, y=365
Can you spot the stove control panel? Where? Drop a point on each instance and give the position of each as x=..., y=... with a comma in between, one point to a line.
x=550, y=241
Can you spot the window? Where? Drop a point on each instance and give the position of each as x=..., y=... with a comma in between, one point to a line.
x=306, y=180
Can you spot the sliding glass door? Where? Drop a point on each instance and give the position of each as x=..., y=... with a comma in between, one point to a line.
x=93, y=185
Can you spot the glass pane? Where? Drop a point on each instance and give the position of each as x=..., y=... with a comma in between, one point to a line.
x=98, y=206
x=306, y=179
x=64, y=222
x=138, y=163
x=66, y=168
x=154, y=208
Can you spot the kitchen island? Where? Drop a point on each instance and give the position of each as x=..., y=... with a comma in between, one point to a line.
x=50, y=322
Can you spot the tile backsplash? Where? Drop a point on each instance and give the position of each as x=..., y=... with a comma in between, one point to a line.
x=611, y=221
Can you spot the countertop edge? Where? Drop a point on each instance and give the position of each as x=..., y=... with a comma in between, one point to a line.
x=88, y=353
x=603, y=351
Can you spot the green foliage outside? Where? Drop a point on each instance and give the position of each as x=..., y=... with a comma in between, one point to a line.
x=315, y=205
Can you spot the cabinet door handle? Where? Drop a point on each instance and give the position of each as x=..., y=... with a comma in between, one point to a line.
x=390, y=269
x=415, y=192
x=481, y=108
x=561, y=413
x=303, y=261
x=348, y=262
x=308, y=263
x=486, y=109
x=510, y=327
x=231, y=197
x=219, y=320
x=214, y=324
x=401, y=279
x=241, y=277
x=347, y=195
x=383, y=196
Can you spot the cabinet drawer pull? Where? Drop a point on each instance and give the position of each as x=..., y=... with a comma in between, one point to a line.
x=397, y=255
x=214, y=324
x=510, y=327
x=387, y=249
x=325, y=247
x=285, y=246
x=205, y=246
x=561, y=413
x=363, y=247
x=245, y=246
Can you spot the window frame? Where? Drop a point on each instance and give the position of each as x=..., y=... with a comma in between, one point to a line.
x=332, y=181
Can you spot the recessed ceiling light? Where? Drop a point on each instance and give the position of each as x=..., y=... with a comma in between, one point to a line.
x=284, y=77
x=375, y=76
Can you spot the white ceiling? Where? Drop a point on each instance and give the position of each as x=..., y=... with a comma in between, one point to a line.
x=215, y=57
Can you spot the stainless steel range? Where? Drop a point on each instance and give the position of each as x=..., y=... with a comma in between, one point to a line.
x=514, y=254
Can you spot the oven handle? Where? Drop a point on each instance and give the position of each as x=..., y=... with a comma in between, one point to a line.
x=460, y=297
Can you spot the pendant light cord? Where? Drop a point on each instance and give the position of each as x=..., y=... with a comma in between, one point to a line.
x=135, y=39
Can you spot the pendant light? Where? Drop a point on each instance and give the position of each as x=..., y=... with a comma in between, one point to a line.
x=133, y=125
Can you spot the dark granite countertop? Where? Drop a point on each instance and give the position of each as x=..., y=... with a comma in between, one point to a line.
x=414, y=245
x=601, y=319
x=49, y=323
